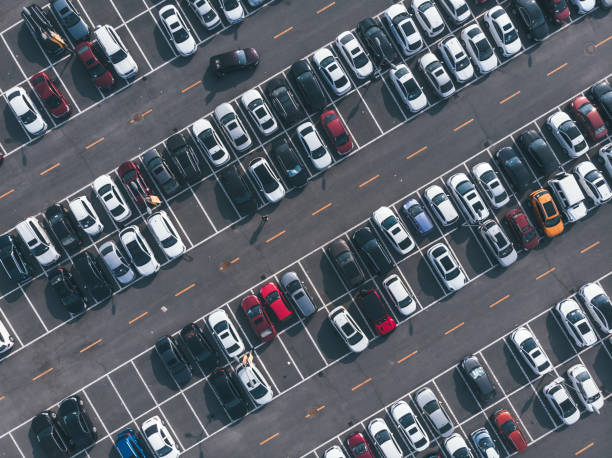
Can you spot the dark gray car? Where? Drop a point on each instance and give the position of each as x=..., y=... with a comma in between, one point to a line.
x=160, y=172
x=71, y=19
x=295, y=289
x=534, y=146
x=346, y=263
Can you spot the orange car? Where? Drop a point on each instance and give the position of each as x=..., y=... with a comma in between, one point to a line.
x=547, y=212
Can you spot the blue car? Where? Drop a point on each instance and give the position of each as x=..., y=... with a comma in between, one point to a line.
x=415, y=213
x=128, y=445
x=70, y=18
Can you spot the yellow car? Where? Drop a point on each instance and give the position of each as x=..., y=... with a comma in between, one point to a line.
x=547, y=213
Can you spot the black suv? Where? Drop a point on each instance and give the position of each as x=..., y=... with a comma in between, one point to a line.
x=157, y=167
x=289, y=163
x=372, y=249
x=198, y=346
x=92, y=277
x=236, y=186
x=478, y=378
x=283, y=101
x=533, y=145
x=377, y=42
x=228, y=393
x=12, y=259
x=67, y=290
x=174, y=359
x=62, y=226
x=308, y=86
x=346, y=263
x=43, y=30
x=51, y=437
x=183, y=157
x=75, y=422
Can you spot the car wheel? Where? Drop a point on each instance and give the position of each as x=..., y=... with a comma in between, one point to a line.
x=53, y=415
x=81, y=402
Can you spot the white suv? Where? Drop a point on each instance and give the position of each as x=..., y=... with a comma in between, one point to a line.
x=456, y=59
x=116, y=52
x=503, y=31
x=468, y=198
x=498, y=242
x=568, y=196
x=446, y=267
x=25, y=111
x=37, y=240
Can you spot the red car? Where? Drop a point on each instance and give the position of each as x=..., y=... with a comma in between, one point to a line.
x=273, y=298
x=51, y=96
x=135, y=182
x=559, y=9
x=97, y=72
x=508, y=428
x=523, y=230
x=336, y=132
x=258, y=318
x=358, y=446
x=589, y=118
x=376, y=311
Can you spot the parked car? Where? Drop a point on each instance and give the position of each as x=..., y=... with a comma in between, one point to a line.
x=158, y=169
x=115, y=51
x=135, y=183
x=50, y=95
x=209, y=142
x=266, y=180
x=537, y=148
x=593, y=182
x=458, y=10
x=354, y=55
x=400, y=296
x=479, y=48
x=254, y=384
x=585, y=387
x=307, y=85
x=523, y=230
x=485, y=447
x=85, y=216
x=173, y=359
x=576, y=324
x=205, y=13
x=67, y=290
x=441, y=205
x=468, y=198
x=283, y=101
x=177, y=31
x=116, y=262
x=561, y=401
x=514, y=168
x=12, y=259
x=183, y=158
x=71, y=19
x=228, y=394
x=408, y=88
x=408, y=424
x=530, y=350
x=37, y=240
x=566, y=132
x=258, y=110
x=377, y=313
x=358, y=446
x=402, y=27
x=92, y=278
x=331, y=71
x=456, y=59
x=436, y=74
x=532, y=17
x=380, y=48
x=234, y=61
x=313, y=145
x=138, y=251
x=605, y=155
x=349, y=330
x=370, y=247
x=258, y=318
x=584, y=6
x=159, y=438
x=273, y=299
x=345, y=261
x=50, y=436
x=490, y=184
x=394, y=230
x=601, y=94
x=498, y=243
x=198, y=347
x=418, y=217
x=43, y=30
x=456, y=446
x=97, y=72
x=165, y=234
x=74, y=420
x=62, y=226
x=446, y=267
x=383, y=439
x=233, y=128
x=108, y=193
x=589, y=118
x=428, y=16
x=508, y=428
x=225, y=333
x=234, y=183
x=478, y=378
x=289, y=163
x=25, y=111
x=294, y=288
x=598, y=304
x=336, y=132
x=558, y=9
x=502, y=29
x=128, y=445
x=434, y=412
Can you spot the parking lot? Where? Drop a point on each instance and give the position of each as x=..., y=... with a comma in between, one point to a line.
x=307, y=361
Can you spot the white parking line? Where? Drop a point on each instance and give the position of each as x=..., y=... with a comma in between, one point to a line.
x=13, y=332
x=280, y=340
x=93, y=407
x=33, y=308
x=17, y=446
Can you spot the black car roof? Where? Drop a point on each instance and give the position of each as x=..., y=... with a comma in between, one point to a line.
x=176, y=141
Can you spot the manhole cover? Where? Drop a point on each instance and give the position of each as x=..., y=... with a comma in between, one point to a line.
x=590, y=49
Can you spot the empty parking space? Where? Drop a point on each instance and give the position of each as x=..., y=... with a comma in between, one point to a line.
x=22, y=316
x=190, y=211
x=151, y=39
x=505, y=367
x=303, y=350
x=534, y=415
x=216, y=202
x=101, y=12
x=207, y=406
x=358, y=119
x=186, y=425
x=128, y=9
x=279, y=364
x=458, y=395
x=323, y=275
x=553, y=339
x=424, y=283
x=384, y=103
x=104, y=449
x=155, y=376
x=136, y=398
x=598, y=360
x=107, y=405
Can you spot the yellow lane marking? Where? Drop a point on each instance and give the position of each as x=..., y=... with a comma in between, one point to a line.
x=139, y=116
x=593, y=245
x=546, y=273
x=324, y=207
x=499, y=301
x=463, y=125
x=269, y=439
x=191, y=87
x=44, y=172
x=454, y=328
x=416, y=152
x=400, y=361
x=275, y=236
x=501, y=102
x=91, y=145
x=2, y=398
x=41, y=374
x=604, y=41
x=314, y=411
x=235, y=260
x=288, y=29
x=90, y=345
x=368, y=380
x=369, y=181
x=326, y=7
x=584, y=449
x=557, y=69
x=184, y=290
x=138, y=317
x=7, y=193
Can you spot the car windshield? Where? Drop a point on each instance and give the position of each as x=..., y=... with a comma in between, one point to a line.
x=139, y=256
x=407, y=420
x=508, y=427
x=477, y=372
x=389, y=222
x=382, y=436
x=431, y=407
x=254, y=311
x=425, y=6
x=510, y=36
x=341, y=139
x=529, y=236
x=96, y=71
x=273, y=296
x=359, y=449
x=463, y=63
x=568, y=408
x=603, y=305
x=340, y=82
x=552, y=221
x=118, y=56
x=28, y=117
x=52, y=101
x=464, y=187
x=439, y=198
x=207, y=138
x=180, y=35
x=268, y=182
x=485, y=443
x=71, y=20
x=360, y=60
x=575, y=316
x=169, y=242
x=528, y=345
x=412, y=89
x=164, y=450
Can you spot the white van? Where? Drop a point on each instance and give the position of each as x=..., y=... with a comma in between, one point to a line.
x=37, y=241
x=115, y=51
x=568, y=196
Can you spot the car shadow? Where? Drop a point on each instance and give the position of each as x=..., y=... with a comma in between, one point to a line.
x=160, y=372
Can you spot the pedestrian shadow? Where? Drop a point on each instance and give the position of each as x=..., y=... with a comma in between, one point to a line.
x=257, y=231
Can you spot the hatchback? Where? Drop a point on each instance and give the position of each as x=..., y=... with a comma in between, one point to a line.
x=589, y=118
x=71, y=19
x=498, y=243
x=336, y=132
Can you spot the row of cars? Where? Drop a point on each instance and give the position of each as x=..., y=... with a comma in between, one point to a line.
x=557, y=392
